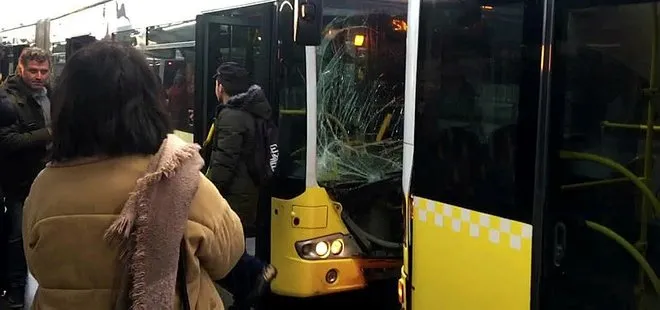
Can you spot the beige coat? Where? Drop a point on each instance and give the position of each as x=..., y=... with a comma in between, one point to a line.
x=68, y=211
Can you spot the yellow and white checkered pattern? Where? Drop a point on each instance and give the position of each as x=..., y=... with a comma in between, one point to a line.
x=476, y=224
x=468, y=260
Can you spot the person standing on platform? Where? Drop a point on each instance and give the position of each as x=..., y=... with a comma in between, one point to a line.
x=231, y=169
x=25, y=142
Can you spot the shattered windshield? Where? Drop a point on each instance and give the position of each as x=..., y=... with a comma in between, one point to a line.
x=360, y=99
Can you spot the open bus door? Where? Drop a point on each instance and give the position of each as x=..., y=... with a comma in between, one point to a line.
x=243, y=35
x=472, y=100
x=600, y=216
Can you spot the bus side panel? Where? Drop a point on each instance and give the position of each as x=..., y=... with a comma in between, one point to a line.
x=469, y=260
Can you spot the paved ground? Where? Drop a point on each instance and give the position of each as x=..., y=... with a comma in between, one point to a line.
x=381, y=296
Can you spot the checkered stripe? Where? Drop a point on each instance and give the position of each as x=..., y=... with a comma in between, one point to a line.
x=476, y=224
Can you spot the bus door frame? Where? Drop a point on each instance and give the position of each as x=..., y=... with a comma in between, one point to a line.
x=202, y=108
x=546, y=154
x=202, y=74
x=410, y=93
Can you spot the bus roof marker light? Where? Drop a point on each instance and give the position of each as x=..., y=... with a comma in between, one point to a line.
x=358, y=40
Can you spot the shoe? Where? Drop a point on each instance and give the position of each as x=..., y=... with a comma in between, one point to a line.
x=262, y=284
x=15, y=298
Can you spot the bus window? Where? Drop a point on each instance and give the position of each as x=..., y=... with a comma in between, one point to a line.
x=361, y=62
x=175, y=68
x=292, y=109
x=58, y=57
x=467, y=107
x=171, y=54
x=604, y=76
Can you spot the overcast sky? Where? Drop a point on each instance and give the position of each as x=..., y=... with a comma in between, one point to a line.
x=26, y=12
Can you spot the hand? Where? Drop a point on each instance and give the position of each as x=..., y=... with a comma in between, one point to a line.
x=50, y=131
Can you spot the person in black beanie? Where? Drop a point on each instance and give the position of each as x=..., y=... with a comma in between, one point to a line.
x=229, y=168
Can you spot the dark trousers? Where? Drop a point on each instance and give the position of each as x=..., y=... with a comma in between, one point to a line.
x=241, y=279
x=16, y=265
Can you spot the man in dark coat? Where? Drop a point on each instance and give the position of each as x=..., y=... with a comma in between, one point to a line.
x=25, y=137
x=230, y=170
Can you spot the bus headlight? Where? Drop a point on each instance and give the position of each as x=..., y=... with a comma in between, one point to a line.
x=321, y=248
x=328, y=247
x=337, y=246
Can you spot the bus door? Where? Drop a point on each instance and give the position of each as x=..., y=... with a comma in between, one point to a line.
x=472, y=94
x=243, y=35
x=601, y=243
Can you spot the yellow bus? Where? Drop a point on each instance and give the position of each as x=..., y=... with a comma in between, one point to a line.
x=529, y=154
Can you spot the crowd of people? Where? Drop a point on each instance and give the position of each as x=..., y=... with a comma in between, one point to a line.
x=105, y=207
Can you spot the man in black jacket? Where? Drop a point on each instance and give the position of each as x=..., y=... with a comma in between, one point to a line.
x=229, y=169
x=24, y=142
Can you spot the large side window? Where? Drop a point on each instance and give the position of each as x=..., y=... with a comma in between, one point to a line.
x=470, y=79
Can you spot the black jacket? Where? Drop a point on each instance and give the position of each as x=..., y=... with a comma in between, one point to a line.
x=7, y=111
x=232, y=149
x=23, y=138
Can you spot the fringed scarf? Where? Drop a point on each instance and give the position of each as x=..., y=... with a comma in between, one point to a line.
x=150, y=227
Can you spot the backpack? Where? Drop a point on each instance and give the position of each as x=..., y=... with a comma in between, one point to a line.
x=266, y=150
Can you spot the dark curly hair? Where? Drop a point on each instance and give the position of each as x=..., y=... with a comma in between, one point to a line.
x=34, y=54
x=108, y=103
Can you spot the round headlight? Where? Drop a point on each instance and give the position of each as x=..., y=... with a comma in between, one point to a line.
x=337, y=246
x=321, y=248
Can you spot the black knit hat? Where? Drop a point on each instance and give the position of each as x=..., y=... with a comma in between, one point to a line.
x=233, y=77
